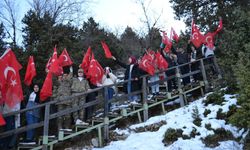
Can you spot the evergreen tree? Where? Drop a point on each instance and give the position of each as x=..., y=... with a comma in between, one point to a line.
x=2, y=37
x=130, y=43
x=232, y=45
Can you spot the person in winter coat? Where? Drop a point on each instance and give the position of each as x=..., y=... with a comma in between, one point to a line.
x=209, y=53
x=79, y=85
x=132, y=74
x=195, y=54
x=33, y=115
x=182, y=58
x=108, y=79
x=63, y=91
x=172, y=62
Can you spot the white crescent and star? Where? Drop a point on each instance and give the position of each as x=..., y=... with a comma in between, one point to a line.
x=195, y=35
x=65, y=58
x=208, y=39
x=144, y=62
x=6, y=70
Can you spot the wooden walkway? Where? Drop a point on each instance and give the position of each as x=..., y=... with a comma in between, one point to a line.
x=102, y=123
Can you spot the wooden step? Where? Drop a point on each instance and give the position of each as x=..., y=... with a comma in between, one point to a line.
x=50, y=138
x=80, y=126
x=113, y=115
x=26, y=146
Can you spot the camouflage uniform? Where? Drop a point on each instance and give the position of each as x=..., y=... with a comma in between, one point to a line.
x=76, y=88
x=63, y=91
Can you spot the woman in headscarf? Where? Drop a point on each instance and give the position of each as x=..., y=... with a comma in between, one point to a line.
x=132, y=75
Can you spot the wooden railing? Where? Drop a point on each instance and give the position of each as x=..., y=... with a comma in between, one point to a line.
x=48, y=115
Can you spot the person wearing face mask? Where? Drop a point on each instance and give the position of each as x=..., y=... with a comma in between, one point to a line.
x=132, y=74
x=33, y=115
x=79, y=85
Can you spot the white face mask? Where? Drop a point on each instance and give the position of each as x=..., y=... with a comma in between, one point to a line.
x=80, y=78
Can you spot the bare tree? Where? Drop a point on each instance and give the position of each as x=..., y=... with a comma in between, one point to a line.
x=8, y=15
x=150, y=19
x=61, y=10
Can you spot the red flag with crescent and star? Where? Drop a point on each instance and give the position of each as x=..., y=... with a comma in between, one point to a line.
x=106, y=50
x=47, y=67
x=162, y=64
x=95, y=71
x=147, y=64
x=11, y=88
x=86, y=60
x=46, y=90
x=208, y=40
x=166, y=41
x=55, y=67
x=64, y=59
x=30, y=71
x=174, y=35
x=220, y=26
x=196, y=37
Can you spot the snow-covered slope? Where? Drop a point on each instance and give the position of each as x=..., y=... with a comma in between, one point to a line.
x=180, y=119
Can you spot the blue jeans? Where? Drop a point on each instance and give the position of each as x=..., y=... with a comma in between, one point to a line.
x=31, y=119
x=110, y=96
x=155, y=88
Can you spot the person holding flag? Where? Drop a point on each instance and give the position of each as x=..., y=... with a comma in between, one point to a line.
x=132, y=74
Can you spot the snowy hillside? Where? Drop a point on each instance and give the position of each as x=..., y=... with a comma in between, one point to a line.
x=191, y=136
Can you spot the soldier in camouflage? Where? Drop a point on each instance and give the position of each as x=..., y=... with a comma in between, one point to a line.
x=79, y=85
x=63, y=91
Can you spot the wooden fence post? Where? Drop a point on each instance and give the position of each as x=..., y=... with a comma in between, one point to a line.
x=144, y=99
x=204, y=75
x=46, y=127
x=217, y=67
x=178, y=76
x=106, y=118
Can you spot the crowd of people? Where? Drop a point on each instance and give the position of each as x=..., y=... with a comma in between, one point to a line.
x=67, y=85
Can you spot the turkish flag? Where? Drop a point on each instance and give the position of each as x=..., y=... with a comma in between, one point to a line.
x=48, y=64
x=174, y=35
x=30, y=71
x=161, y=62
x=86, y=60
x=220, y=26
x=106, y=50
x=208, y=40
x=196, y=37
x=167, y=42
x=95, y=71
x=46, y=90
x=64, y=59
x=2, y=121
x=11, y=88
x=55, y=67
x=147, y=64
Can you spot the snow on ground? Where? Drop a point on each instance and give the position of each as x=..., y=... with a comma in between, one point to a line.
x=180, y=119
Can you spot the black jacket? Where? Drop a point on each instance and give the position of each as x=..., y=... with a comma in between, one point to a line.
x=135, y=84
